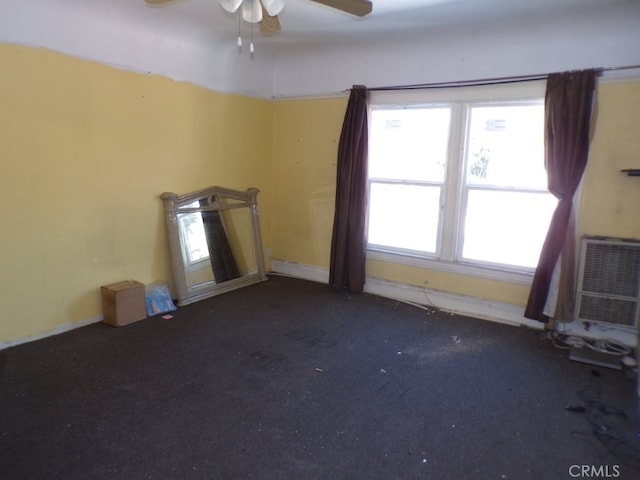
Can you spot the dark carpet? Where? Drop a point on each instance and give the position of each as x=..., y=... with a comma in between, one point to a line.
x=289, y=380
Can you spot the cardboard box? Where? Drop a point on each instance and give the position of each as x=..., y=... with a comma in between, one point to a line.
x=123, y=303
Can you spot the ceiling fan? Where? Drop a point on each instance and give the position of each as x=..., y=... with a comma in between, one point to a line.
x=265, y=12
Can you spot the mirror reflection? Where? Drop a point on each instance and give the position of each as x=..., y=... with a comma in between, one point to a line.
x=215, y=242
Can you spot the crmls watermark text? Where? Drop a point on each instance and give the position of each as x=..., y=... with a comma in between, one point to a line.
x=594, y=471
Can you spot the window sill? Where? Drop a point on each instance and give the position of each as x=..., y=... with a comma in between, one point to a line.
x=489, y=273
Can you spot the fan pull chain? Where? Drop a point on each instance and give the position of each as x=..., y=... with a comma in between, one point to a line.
x=251, y=47
x=239, y=27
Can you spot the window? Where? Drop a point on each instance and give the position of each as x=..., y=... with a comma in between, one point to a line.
x=407, y=163
x=458, y=176
x=193, y=236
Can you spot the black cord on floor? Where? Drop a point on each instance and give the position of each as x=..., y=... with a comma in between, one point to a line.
x=602, y=417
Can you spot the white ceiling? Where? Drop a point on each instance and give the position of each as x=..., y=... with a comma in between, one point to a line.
x=319, y=47
x=302, y=20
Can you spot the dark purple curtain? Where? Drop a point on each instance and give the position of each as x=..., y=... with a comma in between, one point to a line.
x=348, y=243
x=568, y=104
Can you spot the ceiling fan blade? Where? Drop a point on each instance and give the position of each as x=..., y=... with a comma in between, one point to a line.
x=273, y=7
x=156, y=3
x=354, y=7
x=269, y=23
x=230, y=5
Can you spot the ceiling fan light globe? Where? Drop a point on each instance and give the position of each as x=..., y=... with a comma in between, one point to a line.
x=273, y=7
x=252, y=11
x=230, y=5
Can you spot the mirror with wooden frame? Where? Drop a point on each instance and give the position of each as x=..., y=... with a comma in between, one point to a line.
x=214, y=241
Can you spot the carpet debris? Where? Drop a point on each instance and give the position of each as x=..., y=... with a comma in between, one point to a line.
x=576, y=408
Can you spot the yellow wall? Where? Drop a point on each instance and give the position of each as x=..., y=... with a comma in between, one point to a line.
x=306, y=135
x=86, y=150
x=610, y=200
x=306, y=139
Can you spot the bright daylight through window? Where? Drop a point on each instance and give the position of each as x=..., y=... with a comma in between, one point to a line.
x=458, y=175
x=194, y=237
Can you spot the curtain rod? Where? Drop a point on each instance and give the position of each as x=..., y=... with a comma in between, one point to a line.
x=490, y=81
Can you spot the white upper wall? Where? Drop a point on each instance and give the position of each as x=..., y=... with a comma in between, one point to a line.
x=127, y=35
x=146, y=40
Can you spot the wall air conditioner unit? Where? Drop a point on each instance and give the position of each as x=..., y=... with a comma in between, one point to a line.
x=609, y=282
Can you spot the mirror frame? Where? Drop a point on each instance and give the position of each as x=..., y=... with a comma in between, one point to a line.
x=174, y=205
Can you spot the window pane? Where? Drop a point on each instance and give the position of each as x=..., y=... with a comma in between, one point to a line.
x=506, y=227
x=404, y=216
x=194, y=238
x=409, y=143
x=506, y=146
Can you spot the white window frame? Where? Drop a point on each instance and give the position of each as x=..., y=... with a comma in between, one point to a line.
x=448, y=256
x=192, y=265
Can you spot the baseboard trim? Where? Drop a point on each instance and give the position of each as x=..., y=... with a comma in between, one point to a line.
x=463, y=305
x=299, y=270
x=450, y=302
x=65, y=327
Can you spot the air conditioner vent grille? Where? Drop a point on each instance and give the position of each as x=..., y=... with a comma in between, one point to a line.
x=612, y=269
x=607, y=310
x=609, y=281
